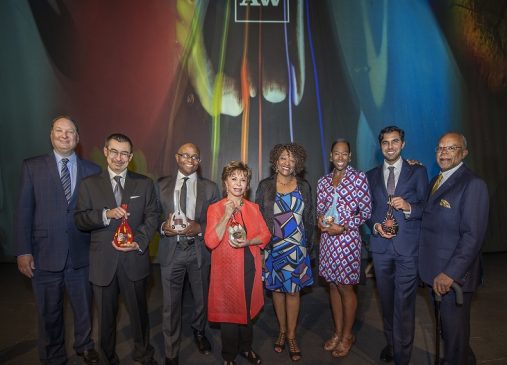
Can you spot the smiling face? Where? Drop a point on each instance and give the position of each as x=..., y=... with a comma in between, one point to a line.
x=340, y=156
x=64, y=137
x=236, y=184
x=446, y=157
x=118, y=155
x=391, y=146
x=286, y=164
x=188, y=159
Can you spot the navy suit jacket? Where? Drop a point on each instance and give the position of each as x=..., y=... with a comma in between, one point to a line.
x=453, y=227
x=96, y=194
x=44, y=222
x=207, y=194
x=412, y=186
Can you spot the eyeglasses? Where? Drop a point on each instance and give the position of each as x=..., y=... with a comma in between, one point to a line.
x=186, y=156
x=114, y=153
x=447, y=148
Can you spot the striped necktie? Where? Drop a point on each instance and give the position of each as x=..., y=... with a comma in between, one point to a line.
x=390, y=181
x=436, y=185
x=65, y=177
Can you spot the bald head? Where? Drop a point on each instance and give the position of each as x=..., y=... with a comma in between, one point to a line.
x=188, y=158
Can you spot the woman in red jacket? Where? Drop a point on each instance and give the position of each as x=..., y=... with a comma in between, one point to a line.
x=235, y=233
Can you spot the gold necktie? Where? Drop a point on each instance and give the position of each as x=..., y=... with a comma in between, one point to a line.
x=437, y=183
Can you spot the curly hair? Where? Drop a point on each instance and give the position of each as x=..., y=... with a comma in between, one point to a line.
x=233, y=166
x=296, y=150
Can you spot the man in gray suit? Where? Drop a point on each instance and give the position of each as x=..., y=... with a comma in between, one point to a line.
x=183, y=252
x=119, y=269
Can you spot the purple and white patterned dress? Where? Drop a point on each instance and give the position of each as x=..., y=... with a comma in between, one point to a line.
x=340, y=255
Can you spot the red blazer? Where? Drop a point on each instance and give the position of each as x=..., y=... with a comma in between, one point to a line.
x=226, y=302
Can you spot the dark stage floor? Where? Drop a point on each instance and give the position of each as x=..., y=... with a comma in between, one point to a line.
x=18, y=332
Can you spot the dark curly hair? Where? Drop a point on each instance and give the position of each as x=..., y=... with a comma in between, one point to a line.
x=296, y=150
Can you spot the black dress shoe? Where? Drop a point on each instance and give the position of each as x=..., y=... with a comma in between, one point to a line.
x=173, y=361
x=203, y=345
x=387, y=354
x=90, y=356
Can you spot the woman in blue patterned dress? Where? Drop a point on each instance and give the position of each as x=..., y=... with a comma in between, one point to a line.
x=285, y=201
x=343, y=204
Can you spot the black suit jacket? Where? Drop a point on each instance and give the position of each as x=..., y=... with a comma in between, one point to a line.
x=207, y=194
x=95, y=195
x=44, y=222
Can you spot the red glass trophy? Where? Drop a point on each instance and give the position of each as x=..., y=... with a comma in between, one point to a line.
x=123, y=235
x=390, y=225
x=236, y=229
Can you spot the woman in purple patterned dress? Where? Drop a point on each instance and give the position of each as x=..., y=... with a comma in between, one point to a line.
x=343, y=205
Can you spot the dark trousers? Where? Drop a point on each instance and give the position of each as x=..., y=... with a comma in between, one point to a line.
x=183, y=262
x=397, y=282
x=49, y=289
x=134, y=294
x=237, y=337
x=456, y=330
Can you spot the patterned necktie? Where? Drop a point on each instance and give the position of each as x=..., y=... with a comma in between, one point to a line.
x=65, y=177
x=118, y=190
x=436, y=185
x=183, y=196
x=390, y=181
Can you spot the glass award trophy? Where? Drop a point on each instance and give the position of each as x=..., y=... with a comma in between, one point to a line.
x=236, y=229
x=178, y=220
x=332, y=215
x=123, y=235
x=390, y=225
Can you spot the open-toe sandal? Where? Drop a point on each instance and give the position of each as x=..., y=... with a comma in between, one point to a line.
x=252, y=357
x=294, y=350
x=280, y=342
x=343, y=348
x=331, y=344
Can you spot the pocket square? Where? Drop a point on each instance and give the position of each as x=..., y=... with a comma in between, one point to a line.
x=135, y=196
x=444, y=203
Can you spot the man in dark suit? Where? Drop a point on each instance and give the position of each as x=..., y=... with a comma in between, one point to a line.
x=49, y=248
x=403, y=186
x=453, y=226
x=119, y=269
x=183, y=252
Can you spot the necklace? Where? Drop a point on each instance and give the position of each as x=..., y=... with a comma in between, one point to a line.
x=285, y=184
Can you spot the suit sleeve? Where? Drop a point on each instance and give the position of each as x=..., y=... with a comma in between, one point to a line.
x=145, y=231
x=215, y=196
x=23, y=221
x=87, y=218
x=417, y=206
x=474, y=219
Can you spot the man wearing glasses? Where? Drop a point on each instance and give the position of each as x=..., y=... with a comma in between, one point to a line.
x=453, y=226
x=125, y=269
x=182, y=251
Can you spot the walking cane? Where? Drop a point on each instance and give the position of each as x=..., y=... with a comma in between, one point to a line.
x=438, y=330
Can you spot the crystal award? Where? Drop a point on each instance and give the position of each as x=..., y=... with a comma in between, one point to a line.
x=178, y=220
x=390, y=225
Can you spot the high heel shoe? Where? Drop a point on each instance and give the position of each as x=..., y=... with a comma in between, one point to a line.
x=294, y=350
x=343, y=348
x=331, y=344
x=280, y=342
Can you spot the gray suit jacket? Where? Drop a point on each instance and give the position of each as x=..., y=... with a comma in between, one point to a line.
x=95, y=194
x=207, y=194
